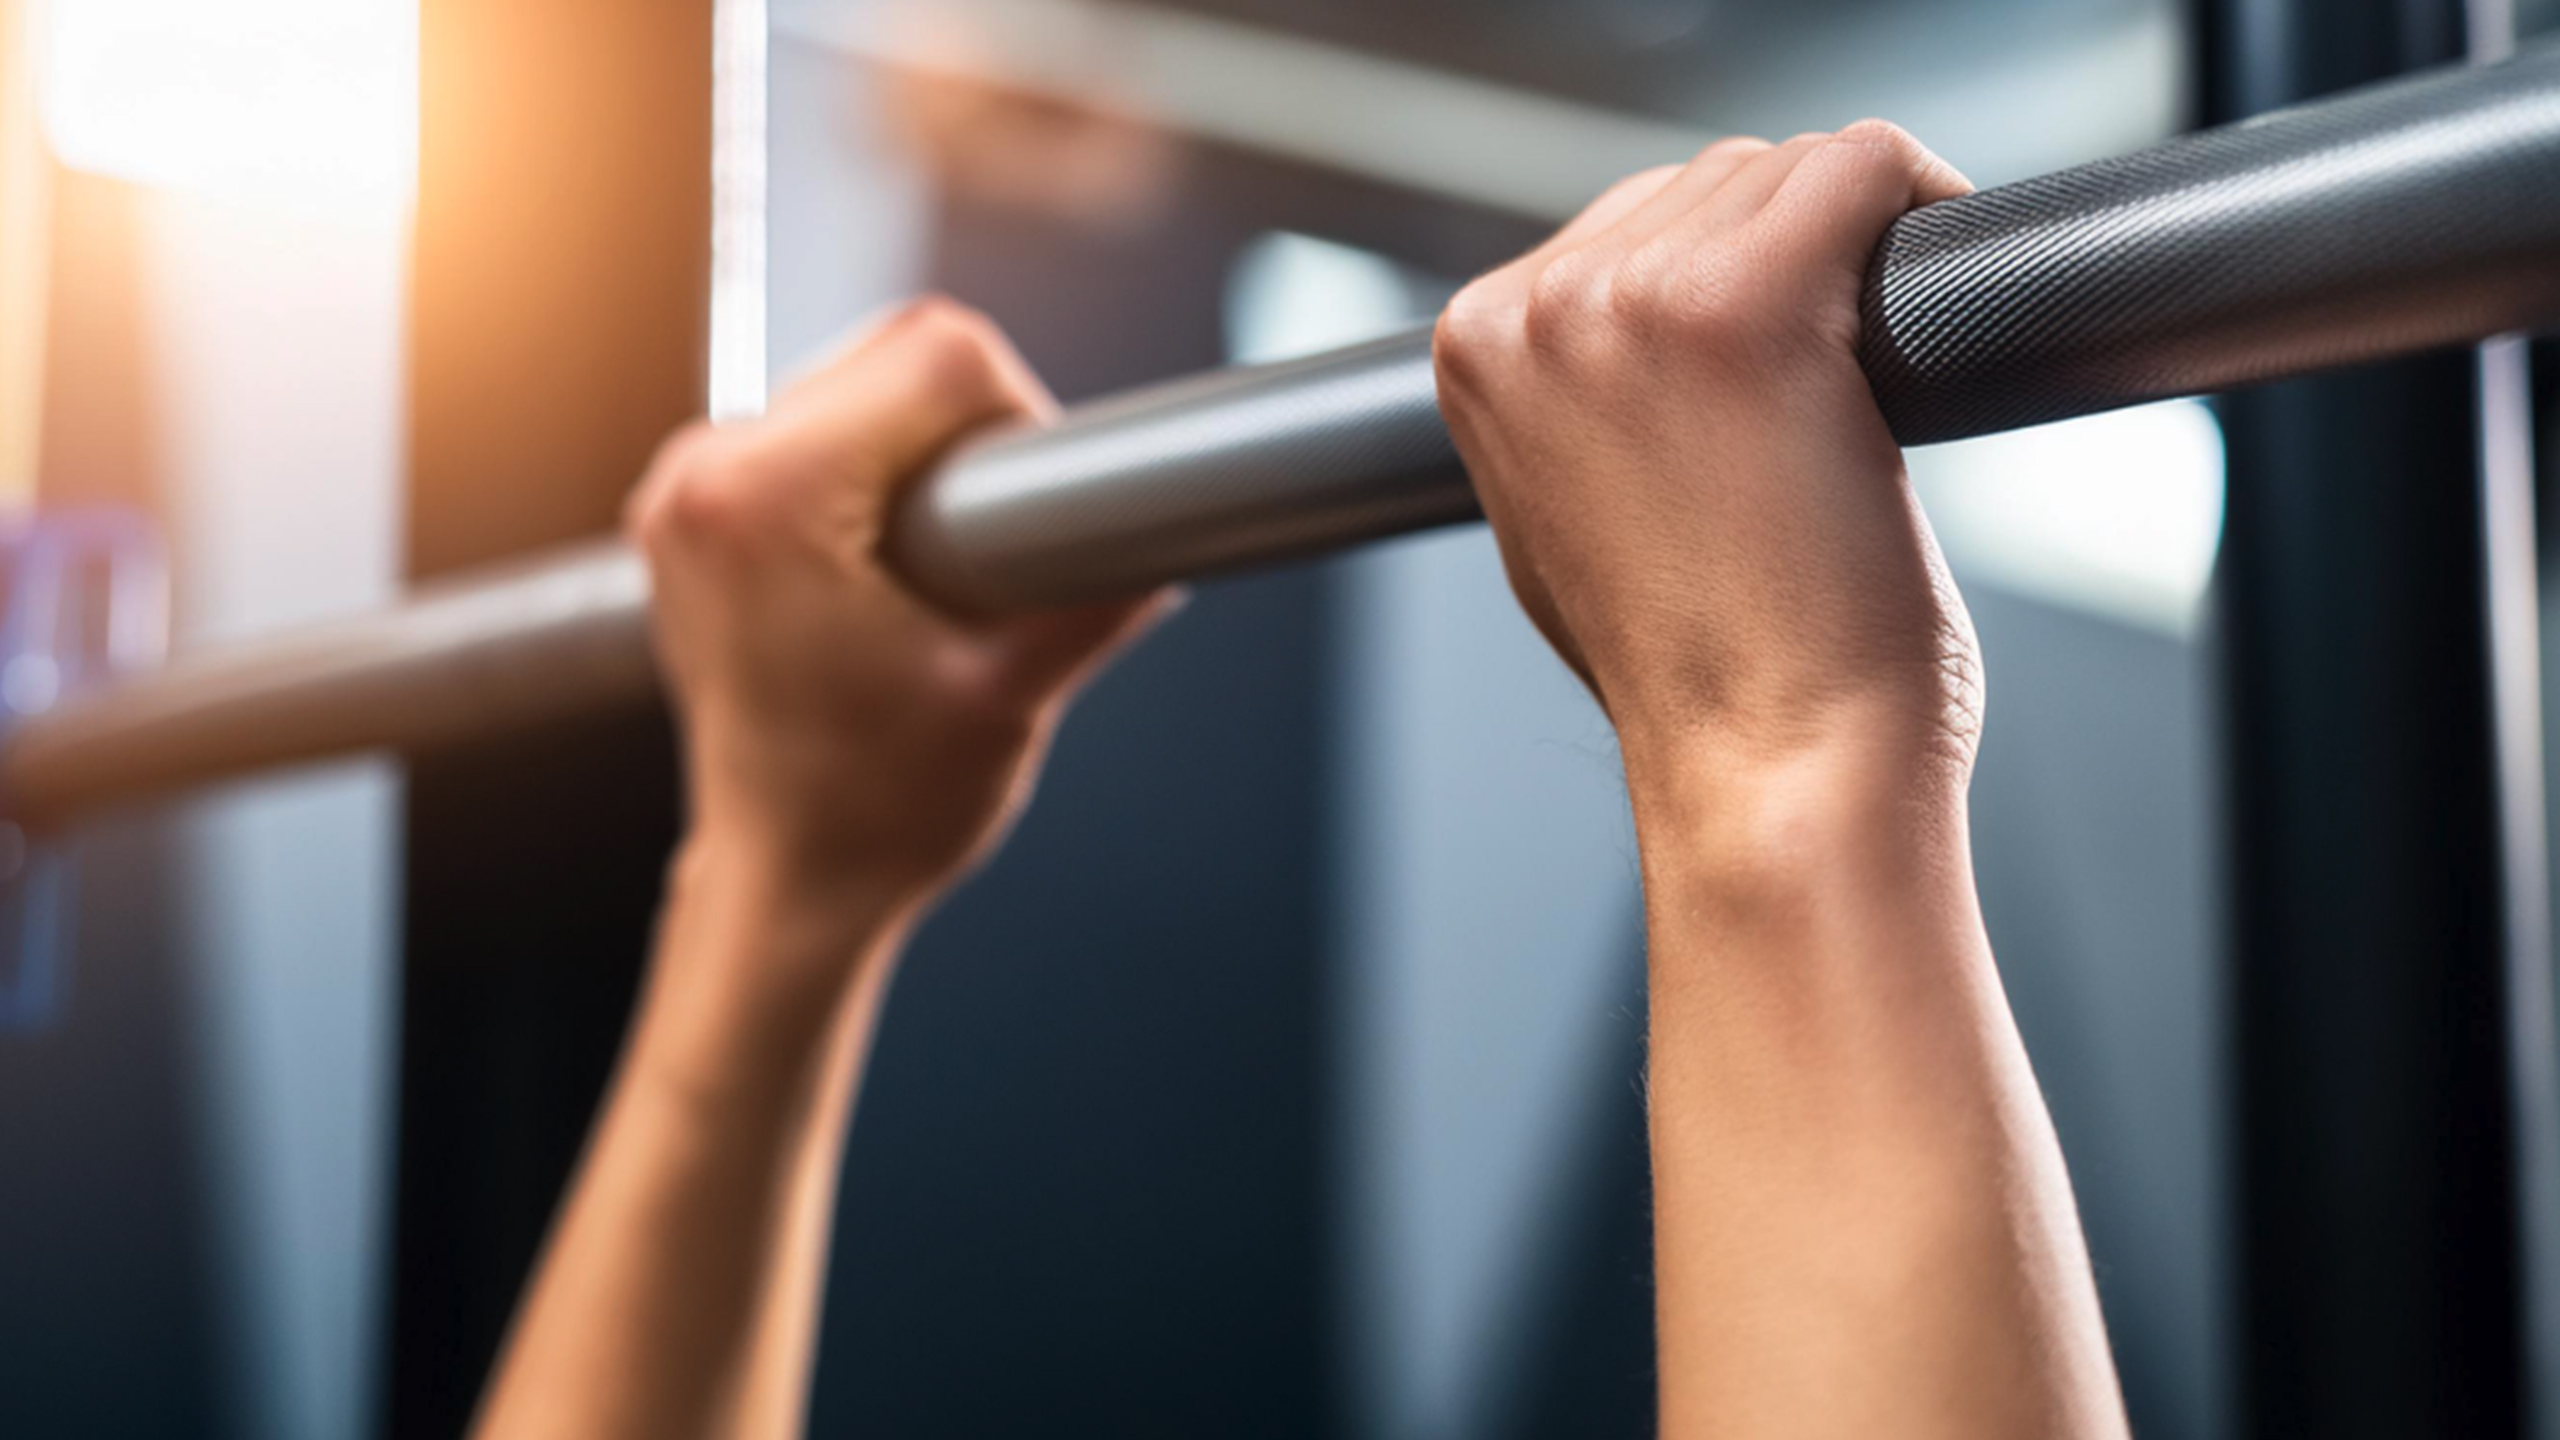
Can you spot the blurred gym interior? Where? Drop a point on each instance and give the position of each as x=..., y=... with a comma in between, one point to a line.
x=1283, y=1076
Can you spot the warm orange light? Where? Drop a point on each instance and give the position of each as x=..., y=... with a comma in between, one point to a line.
x=26, y=233
x=295, y=100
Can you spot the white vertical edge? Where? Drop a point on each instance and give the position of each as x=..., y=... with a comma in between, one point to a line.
x=2513, y=601
x=739, y=54
x=2515, y=684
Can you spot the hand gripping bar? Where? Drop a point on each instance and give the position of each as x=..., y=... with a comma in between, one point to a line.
x=2408, y=216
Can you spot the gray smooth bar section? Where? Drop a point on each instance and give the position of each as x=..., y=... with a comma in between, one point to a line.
x=517, y=647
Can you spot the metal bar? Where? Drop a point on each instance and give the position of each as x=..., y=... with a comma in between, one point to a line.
x=2399, y=219
x=1476, y=141
x=2370, y=581
x=1461, y=136
x=546, y=640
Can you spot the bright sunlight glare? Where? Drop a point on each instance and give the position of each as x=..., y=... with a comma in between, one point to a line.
x=301, y=101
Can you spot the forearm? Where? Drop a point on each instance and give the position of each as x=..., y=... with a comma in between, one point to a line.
x=679, y=1293
x=1863, y=1224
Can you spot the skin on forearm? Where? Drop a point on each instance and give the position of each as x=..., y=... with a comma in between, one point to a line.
x=1862, y=1221
x=850, y=753
x=679, y=1294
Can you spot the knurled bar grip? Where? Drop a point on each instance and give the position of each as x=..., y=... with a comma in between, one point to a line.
x=2405, y=217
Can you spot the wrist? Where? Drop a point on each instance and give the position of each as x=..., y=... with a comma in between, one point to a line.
x=1824, y=886
x=810, y=890
x=1849, y=809
x=757, y=952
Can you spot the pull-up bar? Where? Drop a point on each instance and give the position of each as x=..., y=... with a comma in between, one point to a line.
x=2409, y=216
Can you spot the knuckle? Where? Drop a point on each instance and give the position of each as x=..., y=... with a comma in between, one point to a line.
x=703, y=505
x=643, y=519
x=1567, y=300
x=963, y=325
x=1732, y=152
x=1474, y=329
x=1651, y=291
x=1877, y=165
x=648, y=514
x=957, y=343
x=935, y=315
x=685, y=450
x=1652, y=176
x=1881, y=153
x=1455, y=337
x=720, y=494
x=1633, y=185
x=1881, y=135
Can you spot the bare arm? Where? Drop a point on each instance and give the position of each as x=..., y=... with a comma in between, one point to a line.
x=849, y=752
x=1862, y=1222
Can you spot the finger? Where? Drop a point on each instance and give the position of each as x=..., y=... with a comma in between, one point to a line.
x=1701, y=178
x=1614, y=205
x=1063, y=648
x=903, y=325
x=898, y=398
x=1514, y=276
x=676, y=456
x=1746, y=190
x=1841, y=200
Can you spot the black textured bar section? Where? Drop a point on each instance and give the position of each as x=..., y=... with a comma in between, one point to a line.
x=2395, y=219
x=2401, y=218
